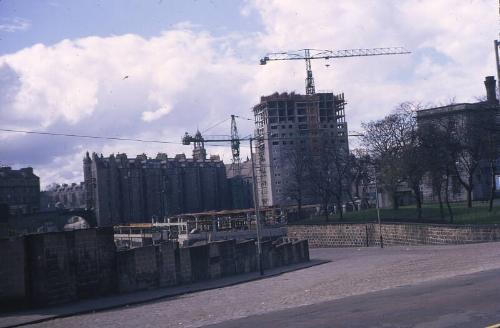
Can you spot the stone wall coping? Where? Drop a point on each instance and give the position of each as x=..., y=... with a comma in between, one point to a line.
x=54, y=233
x=447, y=225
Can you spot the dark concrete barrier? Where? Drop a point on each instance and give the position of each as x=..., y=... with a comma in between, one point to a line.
x=52, y=268
x=245, y=256
x=138, y=269
x=12, y=273
x=58, y=267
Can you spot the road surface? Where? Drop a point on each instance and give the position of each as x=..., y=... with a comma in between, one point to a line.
x=465, y=301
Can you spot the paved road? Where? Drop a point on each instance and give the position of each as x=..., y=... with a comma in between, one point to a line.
x=465, y=301
x=350, y=272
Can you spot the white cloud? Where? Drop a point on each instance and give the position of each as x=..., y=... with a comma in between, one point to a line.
x=120, y=86
x=14, y=24
x=186, y=78
x=149, y=116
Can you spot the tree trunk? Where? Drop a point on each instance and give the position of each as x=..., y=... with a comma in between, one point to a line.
x=299, y=208
x=419, y=205
x=469, y=197
x=339, y=206
x=447, y=197
x=325, y=206
x=416, y=191
x=395, y=204
x=469, y=191
x=440, y=200
x=492, y=191
x=352, y=201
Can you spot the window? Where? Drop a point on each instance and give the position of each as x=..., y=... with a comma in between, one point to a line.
x=497, y=182
x=274, y=127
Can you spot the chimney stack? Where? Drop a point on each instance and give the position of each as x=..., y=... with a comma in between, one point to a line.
x=491, y=95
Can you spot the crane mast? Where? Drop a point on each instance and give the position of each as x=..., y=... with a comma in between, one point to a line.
x=308, y=54
x=235, y=147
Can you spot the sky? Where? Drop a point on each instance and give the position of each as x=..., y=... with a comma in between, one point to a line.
x=154, y=69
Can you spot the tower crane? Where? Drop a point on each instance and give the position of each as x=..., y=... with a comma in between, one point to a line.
x=308, y=54
x=235, y=147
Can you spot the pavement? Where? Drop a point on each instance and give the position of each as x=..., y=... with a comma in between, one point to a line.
x=349, y=273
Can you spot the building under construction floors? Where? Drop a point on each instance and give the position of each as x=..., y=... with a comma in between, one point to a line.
x=289, y=124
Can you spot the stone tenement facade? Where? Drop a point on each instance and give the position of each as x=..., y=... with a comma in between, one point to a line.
x=365, y=235
x=123, y=190
x=20, y=190
x=63, y=196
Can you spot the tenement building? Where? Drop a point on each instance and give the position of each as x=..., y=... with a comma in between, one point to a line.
x=20, y=190
x=123, y=190
x=68, y=196
x=475, y=126
x=288, y=125
x=240, y=184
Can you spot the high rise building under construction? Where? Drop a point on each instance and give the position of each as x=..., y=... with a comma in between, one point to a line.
x=289, y=122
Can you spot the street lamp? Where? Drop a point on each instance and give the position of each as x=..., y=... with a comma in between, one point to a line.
x=378, y=209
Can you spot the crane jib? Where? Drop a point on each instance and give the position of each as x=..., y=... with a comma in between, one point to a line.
x=308, y=54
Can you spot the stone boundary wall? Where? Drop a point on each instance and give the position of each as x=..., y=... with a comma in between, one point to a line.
x=366, y=235
x=60, y=267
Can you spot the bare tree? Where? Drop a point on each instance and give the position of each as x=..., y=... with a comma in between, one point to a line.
x=474, y=135
x=358, y=175
x=394, y=145
x=380, y=140
x=329, y=172
x=410, y=145
x=438, y=158
x=298, y=186
x=319, y=169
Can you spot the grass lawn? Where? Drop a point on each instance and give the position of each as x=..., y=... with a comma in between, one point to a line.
x=478, y=214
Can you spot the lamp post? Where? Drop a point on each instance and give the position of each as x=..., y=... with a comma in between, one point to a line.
x=378, y=209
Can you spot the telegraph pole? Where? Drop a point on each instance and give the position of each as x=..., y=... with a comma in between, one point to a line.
x=187, y=139
x=257, y=211
x=497, y=44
